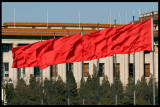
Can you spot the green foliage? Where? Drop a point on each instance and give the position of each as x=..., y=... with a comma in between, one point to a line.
x=49, y=92
x=129, y=93
x=107, y=101
x=61, y=92
x=10, y=93
x=73, y=91
x=105, y=88
x=150, y=92
x=21, y=94
x=142, y=91
x=90, y=89
x=34, y=91
x=54, y=90
x=31, y=94
x=119, y=89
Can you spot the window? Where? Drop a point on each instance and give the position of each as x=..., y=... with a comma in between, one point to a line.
x=70, y=67
x=21, y=44
x=5, y=69
x=86, y=69
x=131, y=70
x=36, y=71
x=5, y=48
x=147, y=70
x=147, y=52
x=117, y=69
x=21, y=72
x=101, y=69
x=52, y=70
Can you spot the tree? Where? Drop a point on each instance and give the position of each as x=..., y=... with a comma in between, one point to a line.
x=49, y=92
x=34, y=91
x=120, y=91
x=150, y=92
x=73, y=91
x=61, y=92
x=10, y=93
x=105, y=90
x=129, y=93
x=142, y=92
x=90, y=88
x=21, y=94
x=87, y=91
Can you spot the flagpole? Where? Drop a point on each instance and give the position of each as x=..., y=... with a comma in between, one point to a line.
x=82, y=75
x=153, y=58
x=79, y=19
x=119, y=18
x=55, y=80
x=115, y=69
x=99, y=98
x=41, y=83
x=68, y=77
x=47, y=18
x=153, y=6
x=126, y=17
x=134, y=70
x=14, y=16
x=140, y=14
x=110, y=18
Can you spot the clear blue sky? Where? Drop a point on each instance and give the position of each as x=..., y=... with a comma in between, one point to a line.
x=68, y=12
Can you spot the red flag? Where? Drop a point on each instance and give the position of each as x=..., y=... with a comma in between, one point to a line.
x=107, y=42
x=133, y=38
x=49, y=52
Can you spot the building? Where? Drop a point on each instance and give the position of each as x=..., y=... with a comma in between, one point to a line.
x=20, y=33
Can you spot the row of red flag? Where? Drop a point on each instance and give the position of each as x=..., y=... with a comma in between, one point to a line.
x=102, y=43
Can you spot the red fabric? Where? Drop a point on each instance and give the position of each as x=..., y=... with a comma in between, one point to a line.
x=133, y=38
x=107, y=42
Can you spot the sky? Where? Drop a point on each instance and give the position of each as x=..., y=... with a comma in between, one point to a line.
x=75, y=12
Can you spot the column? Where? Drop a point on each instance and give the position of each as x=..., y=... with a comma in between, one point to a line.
x=141, y=63
x=62, y=71
x=91, y=67
x=126, y=69
x=156, y=66
x=106, y=67
x=28, y=72
x=121, y=60
x=96, y=62
x=137, y=67
x=46, y=73
x=111, y=69
x=77, y=73
x=13, y=74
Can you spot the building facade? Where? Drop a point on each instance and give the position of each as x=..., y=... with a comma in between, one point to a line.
x=19, y=34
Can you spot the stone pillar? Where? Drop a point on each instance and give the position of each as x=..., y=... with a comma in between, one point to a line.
x=80, y=73
x=122, y=68
x=28, y=72
x=62, y=72
x=126, y=68
x=77, y=71
x=111, y=69
x=141, y=63
x=106, y=67
x=13, y=73
x=137, y=67
x=46, y=73
x=151, y=63
x=91, y=67
x=156, y=66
